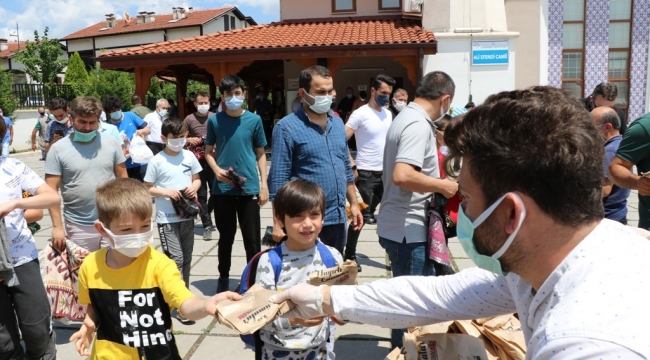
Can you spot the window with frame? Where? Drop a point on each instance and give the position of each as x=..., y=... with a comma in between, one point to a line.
x=390, y=4
x=344, y=6
x=573, y=47
x=620, y=29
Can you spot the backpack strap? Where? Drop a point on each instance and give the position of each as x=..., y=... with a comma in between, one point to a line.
x=275, y=258
x=325, y=255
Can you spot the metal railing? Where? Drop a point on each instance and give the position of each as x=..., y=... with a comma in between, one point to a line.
x=31, y=96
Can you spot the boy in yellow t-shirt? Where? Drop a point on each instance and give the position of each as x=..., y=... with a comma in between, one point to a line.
x=129, y=286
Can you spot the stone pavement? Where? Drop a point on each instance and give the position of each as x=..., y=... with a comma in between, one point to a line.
x=206, y=338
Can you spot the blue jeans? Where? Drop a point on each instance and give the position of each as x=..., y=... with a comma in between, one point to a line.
x=406, y=259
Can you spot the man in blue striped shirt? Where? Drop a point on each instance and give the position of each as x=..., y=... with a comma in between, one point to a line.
x=311, y=144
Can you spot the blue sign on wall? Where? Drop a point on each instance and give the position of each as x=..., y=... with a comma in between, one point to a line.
x=491, y=52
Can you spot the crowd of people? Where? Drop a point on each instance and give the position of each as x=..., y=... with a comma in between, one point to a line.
x=533, y=182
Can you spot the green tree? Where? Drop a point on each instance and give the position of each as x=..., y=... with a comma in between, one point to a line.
x=109, y=82
x=76, y=72
x=8, y=101
x=41, y=58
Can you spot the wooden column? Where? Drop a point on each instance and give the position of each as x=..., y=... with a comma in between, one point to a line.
x=143, y=77
x=181, y=90
x=334, y=64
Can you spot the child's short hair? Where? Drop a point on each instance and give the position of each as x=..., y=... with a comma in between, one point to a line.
x=297, y=196
x=173, y=126
x=122, y=196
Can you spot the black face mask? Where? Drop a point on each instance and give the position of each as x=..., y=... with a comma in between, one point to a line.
x=42, y=113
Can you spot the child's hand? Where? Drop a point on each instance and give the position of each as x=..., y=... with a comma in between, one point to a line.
x=174, y=194
x=82, y=340
x=335, y=319
x=306, y=323
x=211, y=303
x=190, y=192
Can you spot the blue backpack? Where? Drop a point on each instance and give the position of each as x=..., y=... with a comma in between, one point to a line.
x=275, y=258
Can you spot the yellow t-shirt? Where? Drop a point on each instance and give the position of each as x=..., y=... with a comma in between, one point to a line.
x=133, y=305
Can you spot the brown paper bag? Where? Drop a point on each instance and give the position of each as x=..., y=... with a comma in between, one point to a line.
x=252, y=312
x=506, y=336
x=468, y=327
x=443, y=346
x=342, y=274
x=396, y=354
x=439, y=328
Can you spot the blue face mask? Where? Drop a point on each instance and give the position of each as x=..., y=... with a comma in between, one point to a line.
x=349, y=96
x=116, y=115
x=465, y=231
x=382, y=100
x=84, y=137
x=234, y=102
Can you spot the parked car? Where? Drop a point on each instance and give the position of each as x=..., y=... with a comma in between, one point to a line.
x=34, y=101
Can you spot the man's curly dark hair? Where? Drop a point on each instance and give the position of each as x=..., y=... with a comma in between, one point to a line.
x=112, y=104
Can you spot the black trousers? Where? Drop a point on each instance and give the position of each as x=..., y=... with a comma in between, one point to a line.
x=371, y=189
x=28, y=304
x=207, y=180
x=228, y=210
x=137, y=172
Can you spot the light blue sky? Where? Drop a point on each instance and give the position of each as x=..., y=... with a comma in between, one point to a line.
x=67, y=16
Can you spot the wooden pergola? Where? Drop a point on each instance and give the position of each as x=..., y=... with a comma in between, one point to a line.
x=257, y=53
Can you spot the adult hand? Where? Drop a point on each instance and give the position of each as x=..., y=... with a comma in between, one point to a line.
x=222, y=175
x=56, y=137
x=193, y=141
x=449, y=188
x=140, y=133
x=356, y=175
x=34, y=146
x=58, y=238
x=357, y=217
x=6, y=208
x=307, y=298
x=643, y=186
x=190, y=192
x=277, y=233
x=263, y=197
x=174, y=194
x=211, y=303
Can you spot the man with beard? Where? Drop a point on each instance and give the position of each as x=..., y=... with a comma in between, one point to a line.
x=76, y=165
x=534, y=227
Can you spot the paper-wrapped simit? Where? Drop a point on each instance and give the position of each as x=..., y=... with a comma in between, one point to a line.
x=342, y=274
x=252, y=312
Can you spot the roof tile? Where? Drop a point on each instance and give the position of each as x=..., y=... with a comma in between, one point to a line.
x=194, y=17
x=295, y=35
x=12, y=48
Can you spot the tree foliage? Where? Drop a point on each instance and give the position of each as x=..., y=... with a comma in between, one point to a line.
x=8, y=101
x=76, y=72
x=41, y=58
x=109, y=82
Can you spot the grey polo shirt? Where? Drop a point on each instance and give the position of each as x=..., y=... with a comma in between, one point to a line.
x=410, y=140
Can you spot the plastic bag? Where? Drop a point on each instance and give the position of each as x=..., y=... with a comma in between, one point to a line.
x=139, y=151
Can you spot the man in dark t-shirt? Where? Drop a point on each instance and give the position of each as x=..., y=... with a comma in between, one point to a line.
x=345, y=106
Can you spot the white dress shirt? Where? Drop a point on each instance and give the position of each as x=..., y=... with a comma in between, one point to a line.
x=593, y=305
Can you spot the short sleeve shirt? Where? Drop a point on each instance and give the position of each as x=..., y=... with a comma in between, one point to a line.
x=8, y=124
x=235, y=141
x=635, y=148
x=14, y=178
x=370, y=128
x=171, y=172
x=133, y=304
x=410, y=140
x=82, y=168
x=111, y=130
x=55, y=126
x=128, y=126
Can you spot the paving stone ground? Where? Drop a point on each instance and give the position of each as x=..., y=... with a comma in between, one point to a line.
x=207, y=338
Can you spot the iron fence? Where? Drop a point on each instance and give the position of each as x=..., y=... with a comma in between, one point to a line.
x=34, y=95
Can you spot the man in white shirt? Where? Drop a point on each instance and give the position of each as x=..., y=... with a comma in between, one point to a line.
x=369, y=124
x=534, y=226
x=154, y=120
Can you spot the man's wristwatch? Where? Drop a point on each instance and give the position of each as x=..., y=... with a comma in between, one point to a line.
x=354, y=168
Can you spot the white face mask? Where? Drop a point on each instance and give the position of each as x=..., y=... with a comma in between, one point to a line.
x=203, y=109
x=399, y=105
x=321, y=104
x=442, y=113
x=176, y=144
x=131, y=245
x=162, y=113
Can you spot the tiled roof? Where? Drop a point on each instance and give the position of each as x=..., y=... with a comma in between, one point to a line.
x=295, y=35
x=193, y=18
x=12, y=47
